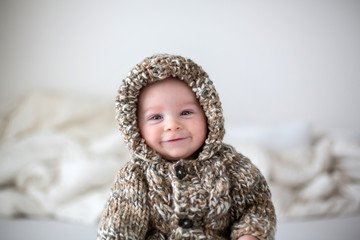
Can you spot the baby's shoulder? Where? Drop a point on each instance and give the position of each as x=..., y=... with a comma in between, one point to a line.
x=237, y=163
x=233, y=157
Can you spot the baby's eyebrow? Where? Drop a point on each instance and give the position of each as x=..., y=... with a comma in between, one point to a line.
x=156, y=108
x=150, y=109
x=191, y=104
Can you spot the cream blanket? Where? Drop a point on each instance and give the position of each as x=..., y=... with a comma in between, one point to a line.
x=59, y=154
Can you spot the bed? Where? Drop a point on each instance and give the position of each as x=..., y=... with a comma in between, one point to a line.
x=60, y=152
x=35, y=229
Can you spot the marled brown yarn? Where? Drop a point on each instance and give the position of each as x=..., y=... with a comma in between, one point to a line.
x=222, y=193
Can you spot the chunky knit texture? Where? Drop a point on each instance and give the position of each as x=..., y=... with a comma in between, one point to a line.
x=218, y=195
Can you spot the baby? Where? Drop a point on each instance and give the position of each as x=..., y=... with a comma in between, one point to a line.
x=182, y=182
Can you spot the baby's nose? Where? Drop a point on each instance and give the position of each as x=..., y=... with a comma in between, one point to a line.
x=172, y=124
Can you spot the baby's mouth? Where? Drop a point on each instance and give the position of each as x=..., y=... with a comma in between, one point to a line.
x=173, y=140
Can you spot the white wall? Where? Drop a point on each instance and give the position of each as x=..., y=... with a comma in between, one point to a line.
x=272, y=61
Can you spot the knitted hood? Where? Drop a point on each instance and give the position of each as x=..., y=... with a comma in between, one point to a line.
x=156, y=68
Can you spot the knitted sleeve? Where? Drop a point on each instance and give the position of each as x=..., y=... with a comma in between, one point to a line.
x=253, y=212
x=126, y=213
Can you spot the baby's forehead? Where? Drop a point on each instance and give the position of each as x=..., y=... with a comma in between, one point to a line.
x=169, y=89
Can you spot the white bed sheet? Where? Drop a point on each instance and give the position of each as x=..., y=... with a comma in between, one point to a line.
x=326, y=228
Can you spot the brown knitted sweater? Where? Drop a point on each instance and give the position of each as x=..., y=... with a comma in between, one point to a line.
x=218, y=195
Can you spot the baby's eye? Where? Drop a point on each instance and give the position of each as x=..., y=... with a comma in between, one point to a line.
x=155, y=117
x=185, y=113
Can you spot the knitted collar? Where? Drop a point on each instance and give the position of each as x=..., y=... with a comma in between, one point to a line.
x=156, y=68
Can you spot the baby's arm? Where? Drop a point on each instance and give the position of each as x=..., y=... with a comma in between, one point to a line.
x=126, y=214
x=252, y=209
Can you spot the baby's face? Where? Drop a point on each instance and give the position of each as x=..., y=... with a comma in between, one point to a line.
x=171, y=120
